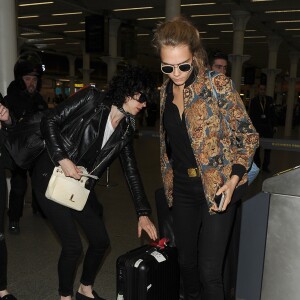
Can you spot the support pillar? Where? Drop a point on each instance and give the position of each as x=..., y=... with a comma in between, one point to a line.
x=237, y=58
x=72, y=76
x=8, y=43
x=274, y=43
x=294, y=57
x=112, y=60
x=85, y=70
x=172, y=9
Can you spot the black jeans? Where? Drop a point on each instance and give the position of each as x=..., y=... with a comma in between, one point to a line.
x=17, y=193
x=201, y=240
x=3, y=250
x=64, y=221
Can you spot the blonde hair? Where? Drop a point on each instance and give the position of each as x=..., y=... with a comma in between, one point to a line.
x=180, y=31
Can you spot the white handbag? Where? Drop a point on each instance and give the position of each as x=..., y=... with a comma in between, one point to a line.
x=69, y=191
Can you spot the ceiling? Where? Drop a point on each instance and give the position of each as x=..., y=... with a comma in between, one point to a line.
x=66, y=39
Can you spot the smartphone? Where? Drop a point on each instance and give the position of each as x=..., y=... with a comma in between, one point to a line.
x=220, y=201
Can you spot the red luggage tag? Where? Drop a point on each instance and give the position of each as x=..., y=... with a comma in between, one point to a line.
x=161, y=244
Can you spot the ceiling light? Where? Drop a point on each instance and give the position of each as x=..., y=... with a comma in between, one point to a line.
x=202, y=31
x=199, y=4
x=52, y=39
x=230, y=31
x=209, y=15
x=210, y=38
x=288, y=21
x=28, y=17
x=44, y=44
x=153, y=18
x=50, y=25
x=142, y=34
x=282, y=11
x=30, y=33
x=291, y=29
x=262, y=0
x=132, y=8
x=36, y=3
x=65, y=14
x=255, y=37
x=73, y=31
x=218, y=24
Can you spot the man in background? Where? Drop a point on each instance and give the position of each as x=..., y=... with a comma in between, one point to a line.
x=23, y=100
x=262, y=114
x=219, y=62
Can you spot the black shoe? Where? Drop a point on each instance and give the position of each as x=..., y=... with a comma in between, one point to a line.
x=82, y=297
x=14, y=228
x=8, y=297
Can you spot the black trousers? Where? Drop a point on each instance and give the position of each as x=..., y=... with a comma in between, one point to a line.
x=201, y=240
x=18, y=184
x=64, y=221
x=3, y=250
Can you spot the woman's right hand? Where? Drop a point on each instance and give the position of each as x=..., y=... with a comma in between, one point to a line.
x=69, y=168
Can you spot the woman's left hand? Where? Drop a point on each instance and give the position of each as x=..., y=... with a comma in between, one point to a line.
x=228, y=189
x=145, y=224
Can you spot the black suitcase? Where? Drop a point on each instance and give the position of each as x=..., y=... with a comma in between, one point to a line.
x=148, y=273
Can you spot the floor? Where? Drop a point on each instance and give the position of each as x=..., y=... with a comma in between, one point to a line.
x=34, y=252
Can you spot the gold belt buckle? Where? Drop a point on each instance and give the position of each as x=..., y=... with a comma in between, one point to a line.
x=193, y=172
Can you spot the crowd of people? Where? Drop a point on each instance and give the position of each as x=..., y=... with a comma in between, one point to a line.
x=207, y=146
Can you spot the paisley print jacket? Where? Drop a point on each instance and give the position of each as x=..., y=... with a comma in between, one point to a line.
x=220, y=131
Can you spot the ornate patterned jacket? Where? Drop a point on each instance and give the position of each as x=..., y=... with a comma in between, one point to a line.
x=219, y=128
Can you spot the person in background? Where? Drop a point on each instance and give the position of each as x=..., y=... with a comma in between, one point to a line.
x=5, y=119
x=207, y=145
x=23, y=99
x=219, y=62
x=106, y=133
x=262, y=114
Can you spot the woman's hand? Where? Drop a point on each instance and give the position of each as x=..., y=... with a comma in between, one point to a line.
x=228, y=189
x=4, y=114
x=145, y=224
x=69, y=168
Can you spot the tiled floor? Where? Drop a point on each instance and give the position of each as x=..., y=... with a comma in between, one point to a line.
x=33, y=254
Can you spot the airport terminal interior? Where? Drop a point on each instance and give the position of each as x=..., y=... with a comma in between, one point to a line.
x=33, y=254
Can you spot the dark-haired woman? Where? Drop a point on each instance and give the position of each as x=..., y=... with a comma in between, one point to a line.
x=90, y=130
x=4, y=294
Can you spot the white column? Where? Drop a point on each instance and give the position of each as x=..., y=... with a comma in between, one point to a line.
x=237, y=58
x=172, y=8
x=271, y=72
x=294, y=57
x=72, y=76
x=112, y=60
x=8, y=43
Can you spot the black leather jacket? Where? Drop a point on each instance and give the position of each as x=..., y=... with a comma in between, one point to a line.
x=71, y=129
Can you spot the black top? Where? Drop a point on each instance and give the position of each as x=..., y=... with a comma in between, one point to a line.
x=181, y=153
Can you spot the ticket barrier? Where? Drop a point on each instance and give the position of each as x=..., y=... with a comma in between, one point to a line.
x=269, y=264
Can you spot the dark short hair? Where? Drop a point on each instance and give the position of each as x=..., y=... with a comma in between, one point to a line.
x=128, y=82
x=217, y=55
